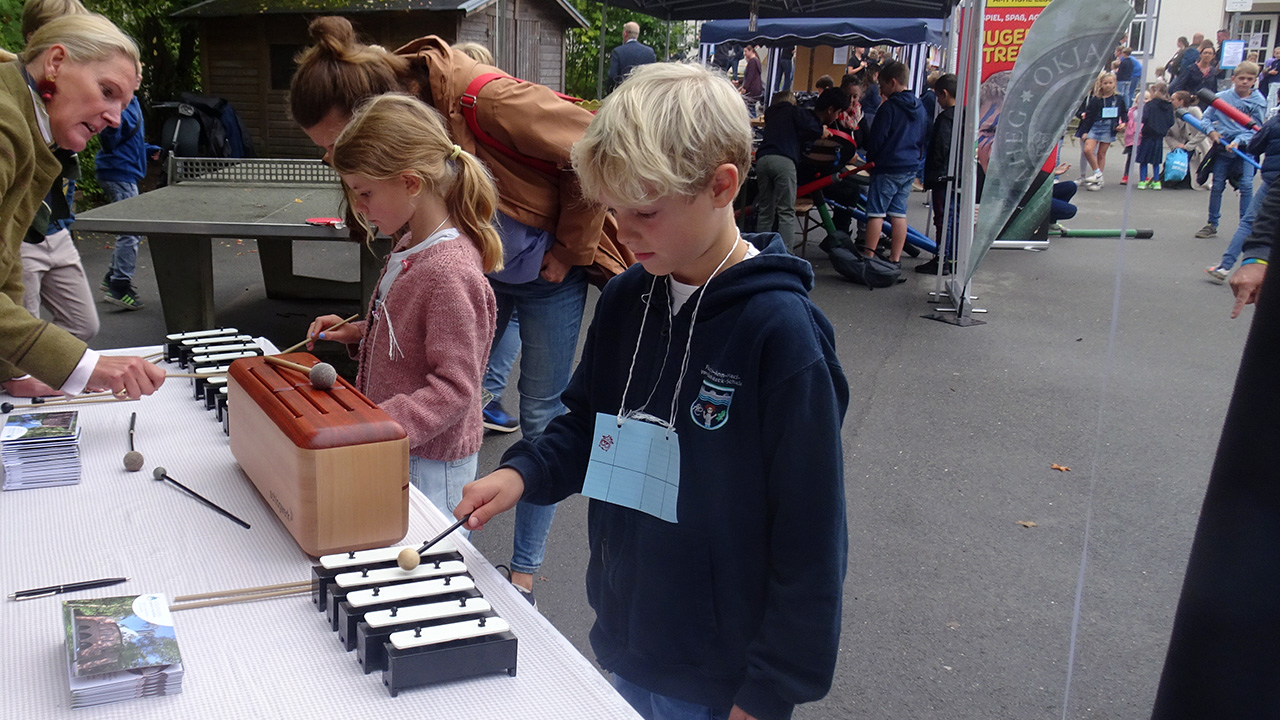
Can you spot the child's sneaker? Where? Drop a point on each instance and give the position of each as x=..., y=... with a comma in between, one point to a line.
x=1207, y=231
x=1142, y=184
x=1217, y=274
x=1154, y=185
x=105, y=285
x=123, y=295
x=497, y=420
x=1125, y=180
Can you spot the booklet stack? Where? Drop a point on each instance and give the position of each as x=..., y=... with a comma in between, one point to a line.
x=40, y=449
x=121, y=648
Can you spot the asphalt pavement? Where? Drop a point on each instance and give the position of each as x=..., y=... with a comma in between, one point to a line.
x=1115, y=359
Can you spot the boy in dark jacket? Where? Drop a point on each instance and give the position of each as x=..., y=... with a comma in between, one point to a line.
x=936, y=163
x=121, y=163
x=703, y=421
x=787, y=128
x=896, y=144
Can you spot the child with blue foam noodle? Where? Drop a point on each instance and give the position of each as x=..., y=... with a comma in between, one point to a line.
x=718, y=545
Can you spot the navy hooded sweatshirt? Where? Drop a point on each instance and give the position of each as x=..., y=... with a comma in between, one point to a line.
x=739, y=601
x=123, y=156
x=898, y=137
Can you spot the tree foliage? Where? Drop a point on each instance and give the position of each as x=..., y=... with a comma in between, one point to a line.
x=11, y=25
x=582, y=53
x=169, y=49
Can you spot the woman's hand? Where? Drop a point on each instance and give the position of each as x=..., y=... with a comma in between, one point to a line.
x=123, y=375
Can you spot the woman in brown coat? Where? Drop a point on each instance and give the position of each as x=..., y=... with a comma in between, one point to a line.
x=552, y=237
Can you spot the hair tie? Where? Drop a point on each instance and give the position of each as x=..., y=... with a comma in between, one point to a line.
x=456, y=152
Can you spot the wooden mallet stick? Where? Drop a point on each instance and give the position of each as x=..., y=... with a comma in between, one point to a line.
x=250, y=597
x=300, y=585
x=8, y=407
x=334, y=326
x=321, y=375
x=196, y=375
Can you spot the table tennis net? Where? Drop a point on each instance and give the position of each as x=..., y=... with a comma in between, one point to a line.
x=244, y=171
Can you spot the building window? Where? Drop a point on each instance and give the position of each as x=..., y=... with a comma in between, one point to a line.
x=1144, y=25
x=282, y=65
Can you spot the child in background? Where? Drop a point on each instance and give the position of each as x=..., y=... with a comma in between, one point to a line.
x=896, y=143
x=787, y=129
x=1182, y=136
x=1130, y=135
x=1157, y=119
x=1104, y=114
x=710, y=366
x=424, y=346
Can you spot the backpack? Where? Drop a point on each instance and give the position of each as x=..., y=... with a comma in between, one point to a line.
x=873, y=272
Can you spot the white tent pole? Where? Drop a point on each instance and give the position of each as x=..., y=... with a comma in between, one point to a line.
x=963, y=159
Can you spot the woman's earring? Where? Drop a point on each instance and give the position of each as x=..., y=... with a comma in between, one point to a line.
x=46, y=88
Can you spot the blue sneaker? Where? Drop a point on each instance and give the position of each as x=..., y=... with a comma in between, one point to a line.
x=497, y=419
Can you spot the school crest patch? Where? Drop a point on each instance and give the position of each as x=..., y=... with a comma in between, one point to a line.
x=711, y=409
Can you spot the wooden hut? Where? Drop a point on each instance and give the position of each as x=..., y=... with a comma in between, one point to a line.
x=247, y=47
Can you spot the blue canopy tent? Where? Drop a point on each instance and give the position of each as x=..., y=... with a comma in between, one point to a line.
x=914, y=33
x=836, y=32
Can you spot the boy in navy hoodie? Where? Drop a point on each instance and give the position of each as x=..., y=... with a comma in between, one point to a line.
x=120, y=164
x=703, y=421
x=896, y=144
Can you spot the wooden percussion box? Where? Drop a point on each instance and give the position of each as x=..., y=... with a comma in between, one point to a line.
x=332, y=465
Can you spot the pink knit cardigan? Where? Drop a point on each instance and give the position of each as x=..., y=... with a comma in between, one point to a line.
x=443, y=314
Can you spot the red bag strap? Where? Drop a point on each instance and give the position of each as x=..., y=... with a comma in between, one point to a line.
x=468, y=103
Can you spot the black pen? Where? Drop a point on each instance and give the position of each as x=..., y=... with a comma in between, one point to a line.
x=69, y=587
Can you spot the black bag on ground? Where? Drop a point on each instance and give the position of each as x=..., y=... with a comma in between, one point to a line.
x=873, y=272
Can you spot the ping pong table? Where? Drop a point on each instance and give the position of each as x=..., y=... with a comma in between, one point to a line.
x=267, y=200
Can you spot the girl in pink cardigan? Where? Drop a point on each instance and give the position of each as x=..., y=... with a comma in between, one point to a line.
x=425, y=342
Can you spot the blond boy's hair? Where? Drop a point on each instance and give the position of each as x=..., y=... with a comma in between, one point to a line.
x=1246, y=68
x=662, y=133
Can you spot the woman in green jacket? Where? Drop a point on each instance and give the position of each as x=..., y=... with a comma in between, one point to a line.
x=74, y=78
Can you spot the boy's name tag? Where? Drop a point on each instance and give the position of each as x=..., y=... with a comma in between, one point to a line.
x=636, y=465
x=1110, y=112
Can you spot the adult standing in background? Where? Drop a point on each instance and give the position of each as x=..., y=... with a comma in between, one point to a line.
x=1201, y=74
x=75, y=77
x=1174, y=66
x=551, y=236
x=752, y=84
x=1192, y=55
x=629, y=55
x=786, y=55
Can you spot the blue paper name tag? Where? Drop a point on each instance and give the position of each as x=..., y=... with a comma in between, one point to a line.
x=635, y=465
x=1109, y=113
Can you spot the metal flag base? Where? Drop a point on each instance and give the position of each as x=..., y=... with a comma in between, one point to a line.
x=951, y=317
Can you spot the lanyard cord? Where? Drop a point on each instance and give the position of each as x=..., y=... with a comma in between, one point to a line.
x=684, y=364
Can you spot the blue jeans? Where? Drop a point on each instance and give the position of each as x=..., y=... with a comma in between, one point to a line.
x=502, y=357
x=1246, y=227
x=441, y=481
x=550, y=317
x=1221, y=166
x=653, y=706
x=125, y=257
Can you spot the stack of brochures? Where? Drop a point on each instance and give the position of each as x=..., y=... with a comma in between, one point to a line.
x=121, y=648
x=40, y=449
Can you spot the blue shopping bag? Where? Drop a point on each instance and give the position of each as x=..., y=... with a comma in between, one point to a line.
x=1175, y=165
